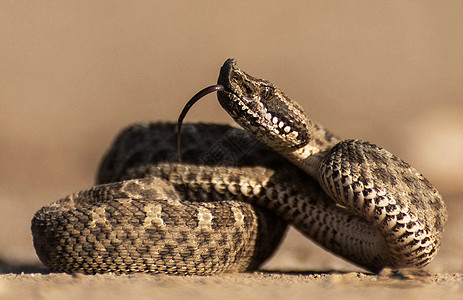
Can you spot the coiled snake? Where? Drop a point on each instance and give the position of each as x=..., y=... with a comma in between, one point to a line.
x=224, y=208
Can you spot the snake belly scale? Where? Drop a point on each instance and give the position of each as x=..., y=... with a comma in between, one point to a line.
x=225, y=207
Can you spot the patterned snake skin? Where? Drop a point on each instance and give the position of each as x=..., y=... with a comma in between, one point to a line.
x=224, y=208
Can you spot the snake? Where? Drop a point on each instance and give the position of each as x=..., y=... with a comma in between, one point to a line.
x=224, y=202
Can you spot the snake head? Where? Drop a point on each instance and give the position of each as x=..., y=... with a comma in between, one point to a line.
x=262, y=109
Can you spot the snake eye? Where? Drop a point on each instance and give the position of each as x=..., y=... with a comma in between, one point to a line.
x=266, y=93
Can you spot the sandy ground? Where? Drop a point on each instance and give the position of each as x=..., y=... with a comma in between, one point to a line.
x=242, y=286
x=73, y=73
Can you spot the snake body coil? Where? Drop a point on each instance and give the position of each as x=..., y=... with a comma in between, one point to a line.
x=225, y=207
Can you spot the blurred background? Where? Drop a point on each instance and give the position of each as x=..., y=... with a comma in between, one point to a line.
x=73, y=73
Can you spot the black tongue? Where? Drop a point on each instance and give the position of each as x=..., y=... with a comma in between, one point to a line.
x=186, y=108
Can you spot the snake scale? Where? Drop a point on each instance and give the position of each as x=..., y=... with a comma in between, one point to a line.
x=226, y=205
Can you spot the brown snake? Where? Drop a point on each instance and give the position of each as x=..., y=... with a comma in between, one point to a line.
x=219, y=210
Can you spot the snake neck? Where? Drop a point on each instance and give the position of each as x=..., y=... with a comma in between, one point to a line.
x=310, y=156
x=267, y=113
